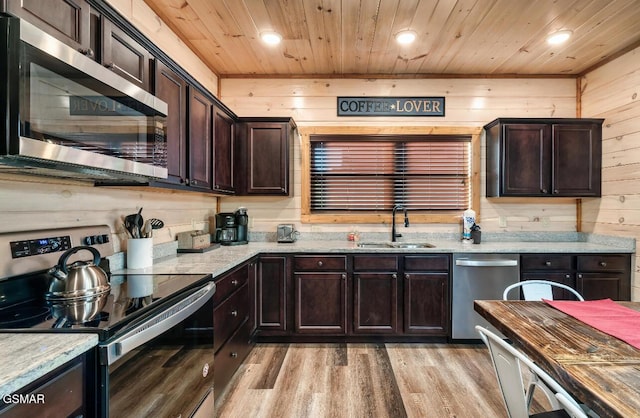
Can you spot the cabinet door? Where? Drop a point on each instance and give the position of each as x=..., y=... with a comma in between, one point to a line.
x=267, y=158
x=223, y=139
x=172, y=89
x=526, y=160
x=271, y=293
x=426, y=307
x=124, y=56
x=375, y=305
x=566, y=278
x=602, y=285
x=200, y=140
x=320, y=303
x=577, y=155
x=67, y=21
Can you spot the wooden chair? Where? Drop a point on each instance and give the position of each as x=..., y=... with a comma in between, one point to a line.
x=508, y=364
x=539, y=289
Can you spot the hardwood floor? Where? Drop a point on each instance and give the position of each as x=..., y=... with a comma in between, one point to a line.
x=363, y=380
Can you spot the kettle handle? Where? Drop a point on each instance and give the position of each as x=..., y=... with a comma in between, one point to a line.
x=62, y=263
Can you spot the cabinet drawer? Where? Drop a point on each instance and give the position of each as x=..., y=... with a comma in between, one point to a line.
x=546, y=262
x=61, y=390
x=230, y=357
x=426, y=262
x=229, y=315
x=375, y=263
x=599, y=262
x=320, y=263
x=229, y=283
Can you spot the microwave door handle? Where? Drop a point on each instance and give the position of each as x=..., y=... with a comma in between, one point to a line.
x=158, y=324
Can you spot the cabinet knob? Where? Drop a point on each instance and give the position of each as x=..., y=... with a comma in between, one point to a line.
x=547, y=263
x=234, y=282
x=567, y=276
x=603, y=264
x=406, y=275
x=344, y=276
x=87, y=51
x=555, y=191
x=543, y=190
x=234, y=355
x=579, y=276
x=394, y=276
x=234, y=313
x=320, y=264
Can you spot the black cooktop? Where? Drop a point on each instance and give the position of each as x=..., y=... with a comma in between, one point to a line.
x=131, y=299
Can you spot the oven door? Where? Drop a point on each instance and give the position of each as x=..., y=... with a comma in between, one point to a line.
x=163, y=366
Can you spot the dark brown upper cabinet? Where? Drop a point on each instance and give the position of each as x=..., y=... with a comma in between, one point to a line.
x=200, y=128
x=65, y=20
x=172, y=89
x=124, y=56
x=544, y=157
x=263, y=158
x=223, y=153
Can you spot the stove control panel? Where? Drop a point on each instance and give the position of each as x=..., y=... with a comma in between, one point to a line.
x=23, y=252
x=40, y=246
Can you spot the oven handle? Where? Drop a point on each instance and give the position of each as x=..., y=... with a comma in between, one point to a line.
x=158, y=324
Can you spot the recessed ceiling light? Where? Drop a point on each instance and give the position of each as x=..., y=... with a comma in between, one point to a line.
x=406, y=37
x=271, y=38
x=559, y=37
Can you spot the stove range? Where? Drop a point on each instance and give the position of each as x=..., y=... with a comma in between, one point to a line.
x=132, y=298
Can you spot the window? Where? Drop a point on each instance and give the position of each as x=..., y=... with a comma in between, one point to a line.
x=429, y=173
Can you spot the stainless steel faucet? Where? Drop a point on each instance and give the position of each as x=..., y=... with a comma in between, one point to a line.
x=393, y=221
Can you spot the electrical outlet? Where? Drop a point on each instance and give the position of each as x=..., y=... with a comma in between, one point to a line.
x=502, y=221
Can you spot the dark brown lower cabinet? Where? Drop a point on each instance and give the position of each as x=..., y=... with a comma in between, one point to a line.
x=320, y=303
x=594, y=276
x=375, y=303
x=68, y=391
x=271, y=290
x=426, y=307
x=232, y=324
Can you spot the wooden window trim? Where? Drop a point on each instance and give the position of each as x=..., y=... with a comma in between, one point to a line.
x=306, y=216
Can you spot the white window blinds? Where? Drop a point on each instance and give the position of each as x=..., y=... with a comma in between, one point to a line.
x=369, y=173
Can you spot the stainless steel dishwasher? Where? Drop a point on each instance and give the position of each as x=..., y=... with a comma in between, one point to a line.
x=478, y=276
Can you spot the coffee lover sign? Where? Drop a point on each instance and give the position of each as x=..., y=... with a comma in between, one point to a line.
x=390, y=106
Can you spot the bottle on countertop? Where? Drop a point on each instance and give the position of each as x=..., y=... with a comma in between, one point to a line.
x=468, y=220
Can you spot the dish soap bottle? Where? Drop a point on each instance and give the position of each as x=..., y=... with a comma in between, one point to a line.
x=468, y=220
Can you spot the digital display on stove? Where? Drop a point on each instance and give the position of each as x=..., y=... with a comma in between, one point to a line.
x=40, y=246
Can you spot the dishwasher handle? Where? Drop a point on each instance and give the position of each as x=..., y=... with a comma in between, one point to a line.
x=465, y=262
x=158, y=324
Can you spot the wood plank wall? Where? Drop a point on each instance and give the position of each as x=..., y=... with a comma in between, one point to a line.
x=469, y=103
x=612, y=92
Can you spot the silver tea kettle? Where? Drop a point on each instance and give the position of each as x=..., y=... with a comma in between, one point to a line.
x=79, y=279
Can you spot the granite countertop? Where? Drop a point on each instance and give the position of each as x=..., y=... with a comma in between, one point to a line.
x=224, y=258
x=27, y=357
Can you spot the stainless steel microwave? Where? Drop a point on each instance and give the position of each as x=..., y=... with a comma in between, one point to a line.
x=68, y=116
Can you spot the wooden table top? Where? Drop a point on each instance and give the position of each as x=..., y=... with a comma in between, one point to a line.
x=600, y=370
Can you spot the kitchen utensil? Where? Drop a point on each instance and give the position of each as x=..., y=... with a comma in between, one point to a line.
x=134, y=223
x=156, y=223
x=147, y=230
x=79, y=279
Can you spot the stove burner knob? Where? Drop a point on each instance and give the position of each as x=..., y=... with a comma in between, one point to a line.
x=88, y=241
x=102, y=239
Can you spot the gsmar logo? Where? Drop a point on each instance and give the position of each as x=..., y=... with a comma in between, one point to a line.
x=37, y=398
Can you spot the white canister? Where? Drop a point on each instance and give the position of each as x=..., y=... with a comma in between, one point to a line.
x=468, y=220
x=139, y=253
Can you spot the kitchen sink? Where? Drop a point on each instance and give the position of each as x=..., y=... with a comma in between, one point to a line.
x=395, y=245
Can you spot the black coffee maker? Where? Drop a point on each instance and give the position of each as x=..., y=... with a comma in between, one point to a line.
x=232, y=228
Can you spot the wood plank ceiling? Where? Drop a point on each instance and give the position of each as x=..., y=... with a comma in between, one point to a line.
x=347, y=38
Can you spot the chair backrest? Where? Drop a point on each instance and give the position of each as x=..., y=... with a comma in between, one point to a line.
x=508, y=363
x=539, y=289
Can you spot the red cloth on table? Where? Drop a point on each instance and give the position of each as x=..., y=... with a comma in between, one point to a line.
x=604, y=315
